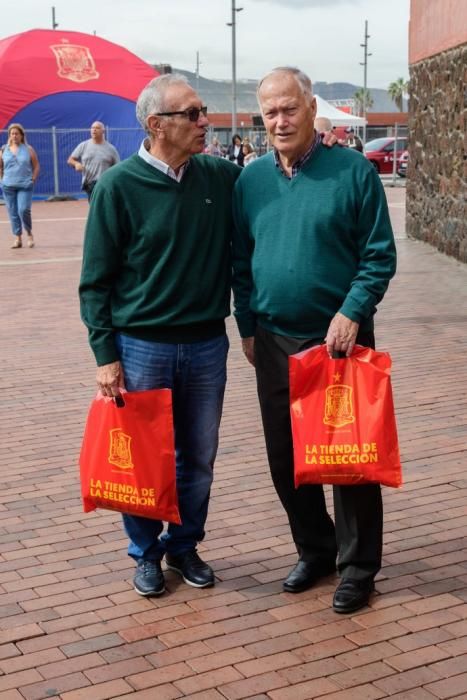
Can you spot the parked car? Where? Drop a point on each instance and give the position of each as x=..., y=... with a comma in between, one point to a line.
x=402, y=164
x=380, y=152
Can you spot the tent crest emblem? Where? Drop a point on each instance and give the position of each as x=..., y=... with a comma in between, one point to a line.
x=74, y=62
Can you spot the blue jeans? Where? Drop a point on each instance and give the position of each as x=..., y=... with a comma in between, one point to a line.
x=196, y=373
x=18, y=204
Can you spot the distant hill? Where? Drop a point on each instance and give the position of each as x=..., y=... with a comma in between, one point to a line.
x=217, y=94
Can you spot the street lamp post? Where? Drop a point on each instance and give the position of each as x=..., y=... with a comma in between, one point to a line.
x=197, y=71
x=54, y=23
x=364, y=64
x=234, y=67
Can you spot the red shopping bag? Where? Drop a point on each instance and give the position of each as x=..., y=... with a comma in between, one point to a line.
x=127, y=459
x=343, y=423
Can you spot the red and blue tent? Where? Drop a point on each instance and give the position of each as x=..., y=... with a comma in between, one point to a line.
x=68, y=80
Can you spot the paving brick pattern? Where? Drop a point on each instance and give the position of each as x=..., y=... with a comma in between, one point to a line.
x=71, y=626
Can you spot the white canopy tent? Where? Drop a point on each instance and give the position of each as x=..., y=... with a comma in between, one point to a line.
x=337, y=116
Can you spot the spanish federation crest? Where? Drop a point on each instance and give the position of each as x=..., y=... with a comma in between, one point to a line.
x=338, y=410
x=75, y=62
x=119, y=449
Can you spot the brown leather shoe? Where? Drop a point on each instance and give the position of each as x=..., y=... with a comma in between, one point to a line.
x=18, y=242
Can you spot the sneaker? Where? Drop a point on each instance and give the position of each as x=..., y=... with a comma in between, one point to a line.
x=191, y=568
x=149, y=579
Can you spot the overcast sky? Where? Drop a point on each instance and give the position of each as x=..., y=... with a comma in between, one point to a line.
x=322, y=37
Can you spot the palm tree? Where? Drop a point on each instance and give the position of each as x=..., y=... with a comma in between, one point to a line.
x=363, y=99
x=397, y=89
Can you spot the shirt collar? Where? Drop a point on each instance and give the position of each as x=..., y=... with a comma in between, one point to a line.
x=300, y=162
x=159, y=164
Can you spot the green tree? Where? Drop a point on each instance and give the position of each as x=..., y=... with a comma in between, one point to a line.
x=397, y=89
x=363, y=99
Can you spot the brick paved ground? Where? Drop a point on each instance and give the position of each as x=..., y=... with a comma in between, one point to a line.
x=71, y=626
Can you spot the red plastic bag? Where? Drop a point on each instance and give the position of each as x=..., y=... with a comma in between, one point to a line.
x=343, y=423
x=127, y=459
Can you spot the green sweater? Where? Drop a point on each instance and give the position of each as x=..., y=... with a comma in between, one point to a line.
x=311, y=246
x=156, y=259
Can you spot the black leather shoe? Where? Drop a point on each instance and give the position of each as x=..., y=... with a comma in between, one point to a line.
x=305, y=574
x=191, y=568
x=352, y=594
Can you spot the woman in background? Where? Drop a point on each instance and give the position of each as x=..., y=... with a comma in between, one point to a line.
x=19, y=169
x=249, y=153
x=234, y=152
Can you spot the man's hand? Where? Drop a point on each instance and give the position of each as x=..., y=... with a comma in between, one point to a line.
x=110, y=379
x=341, y=335
x=248, y=347
x=328, y=138
x=79, y=167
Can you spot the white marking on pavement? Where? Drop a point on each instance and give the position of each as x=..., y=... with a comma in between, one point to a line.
x=38, y=221
x=4, y=263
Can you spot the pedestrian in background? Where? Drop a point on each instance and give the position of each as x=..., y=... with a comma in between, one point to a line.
x=214, y=148
x=249, y=153
x=353, y=141
x=19, y=169
x=323, y=124
x=234, y=151
x=93, y=157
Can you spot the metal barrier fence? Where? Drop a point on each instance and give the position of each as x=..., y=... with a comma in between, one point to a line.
x=54, y=146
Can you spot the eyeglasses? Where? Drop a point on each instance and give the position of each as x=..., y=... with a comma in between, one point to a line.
x=192, y=113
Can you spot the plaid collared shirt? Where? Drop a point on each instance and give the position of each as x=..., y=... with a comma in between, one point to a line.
x=298, y=165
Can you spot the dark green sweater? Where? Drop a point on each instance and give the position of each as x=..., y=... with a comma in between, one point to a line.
x=156, y=260
x=308, y=247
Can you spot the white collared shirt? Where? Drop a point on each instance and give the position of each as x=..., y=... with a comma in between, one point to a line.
x=159, y=164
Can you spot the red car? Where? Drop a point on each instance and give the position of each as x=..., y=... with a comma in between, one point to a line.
x=380, y=152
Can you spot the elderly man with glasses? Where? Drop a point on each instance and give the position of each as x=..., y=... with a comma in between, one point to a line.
x=155, y=290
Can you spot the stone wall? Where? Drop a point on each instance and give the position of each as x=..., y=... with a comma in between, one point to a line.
x=437, y=173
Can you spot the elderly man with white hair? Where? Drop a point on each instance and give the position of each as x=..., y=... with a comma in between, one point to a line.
x=313, y=253
x=155, y=290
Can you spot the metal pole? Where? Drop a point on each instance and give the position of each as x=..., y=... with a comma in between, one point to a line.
x=55, y=160
x=197, y=71
x=234, y=67
x=54, y=23
x=394, y=156
x=364, y=64
x=234, y=73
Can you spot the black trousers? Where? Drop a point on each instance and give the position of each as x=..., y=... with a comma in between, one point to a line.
x=356, y=537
